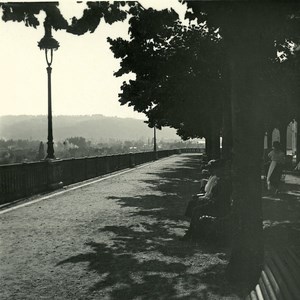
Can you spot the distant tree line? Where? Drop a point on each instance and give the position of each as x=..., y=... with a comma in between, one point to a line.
x=18, y=151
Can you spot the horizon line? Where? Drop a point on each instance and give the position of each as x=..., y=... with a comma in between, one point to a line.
x=73, y=115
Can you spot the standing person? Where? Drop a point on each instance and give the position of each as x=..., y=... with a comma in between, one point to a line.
x=275, y=169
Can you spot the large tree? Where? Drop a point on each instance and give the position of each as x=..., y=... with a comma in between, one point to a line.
x=249, y=31
x=177, y=83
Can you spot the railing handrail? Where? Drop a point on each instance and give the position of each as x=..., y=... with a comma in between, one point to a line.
x=95, y=156
x=25, y=179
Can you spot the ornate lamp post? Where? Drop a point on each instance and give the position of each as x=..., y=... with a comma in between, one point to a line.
x=48, y=43
x=154, y=143
x=154, y=140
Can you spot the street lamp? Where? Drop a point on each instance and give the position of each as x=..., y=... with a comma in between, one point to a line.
x=48, y=43
x=154, y=143
x=154, y=139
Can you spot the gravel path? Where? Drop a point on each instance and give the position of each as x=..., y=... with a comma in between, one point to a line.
x=113, y=239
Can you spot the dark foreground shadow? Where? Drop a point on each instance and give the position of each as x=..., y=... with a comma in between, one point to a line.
x=281, y=214
x=282, y=218
x=147, y=260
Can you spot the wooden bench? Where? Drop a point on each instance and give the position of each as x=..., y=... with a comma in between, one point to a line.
x=280, y=277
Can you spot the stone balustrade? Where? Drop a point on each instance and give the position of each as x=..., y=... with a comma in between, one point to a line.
x=26, y=179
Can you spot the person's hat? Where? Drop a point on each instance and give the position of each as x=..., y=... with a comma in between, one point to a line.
x=214, y=164
x=210, y=164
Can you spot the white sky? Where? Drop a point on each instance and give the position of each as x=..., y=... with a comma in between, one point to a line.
x=82, y=74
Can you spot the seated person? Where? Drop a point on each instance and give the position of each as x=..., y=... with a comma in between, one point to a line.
x=210, y=228
x=207, y=186
x=203, y=181
x=209, y=211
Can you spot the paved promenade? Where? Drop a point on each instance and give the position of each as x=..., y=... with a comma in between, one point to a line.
x=117, y=238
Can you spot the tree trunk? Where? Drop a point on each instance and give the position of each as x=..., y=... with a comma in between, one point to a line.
x=247, y=253
x=227, y=131
x=248, y=135
x=217, y=147
x=213, y=139
x=216, y=151
x=208, y=147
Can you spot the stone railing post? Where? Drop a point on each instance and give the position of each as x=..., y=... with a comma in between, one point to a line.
x=131, y=160
x=25, y=176
x=54, y=170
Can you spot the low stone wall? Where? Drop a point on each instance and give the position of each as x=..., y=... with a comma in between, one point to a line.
x=23, y=180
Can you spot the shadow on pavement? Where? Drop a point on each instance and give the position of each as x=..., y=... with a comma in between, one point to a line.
x=146, y=260
x=120, y=270
x=281, y=218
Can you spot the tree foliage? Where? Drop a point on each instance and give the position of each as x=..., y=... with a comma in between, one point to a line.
x=27, y=13
x=278, y=24
x=79, y=141
x=179, y=72
x=92, y=15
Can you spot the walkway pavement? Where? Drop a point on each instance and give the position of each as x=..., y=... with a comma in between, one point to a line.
x=114, y=239
x=282, y=214
x=118, y=238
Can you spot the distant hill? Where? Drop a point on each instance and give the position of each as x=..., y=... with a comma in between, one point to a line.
x=95, y=128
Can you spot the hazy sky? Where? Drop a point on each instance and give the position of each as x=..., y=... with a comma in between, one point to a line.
x=83, y=66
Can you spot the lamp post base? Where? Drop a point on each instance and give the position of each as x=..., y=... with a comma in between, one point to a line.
x=54, y=174
x=50, y=151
